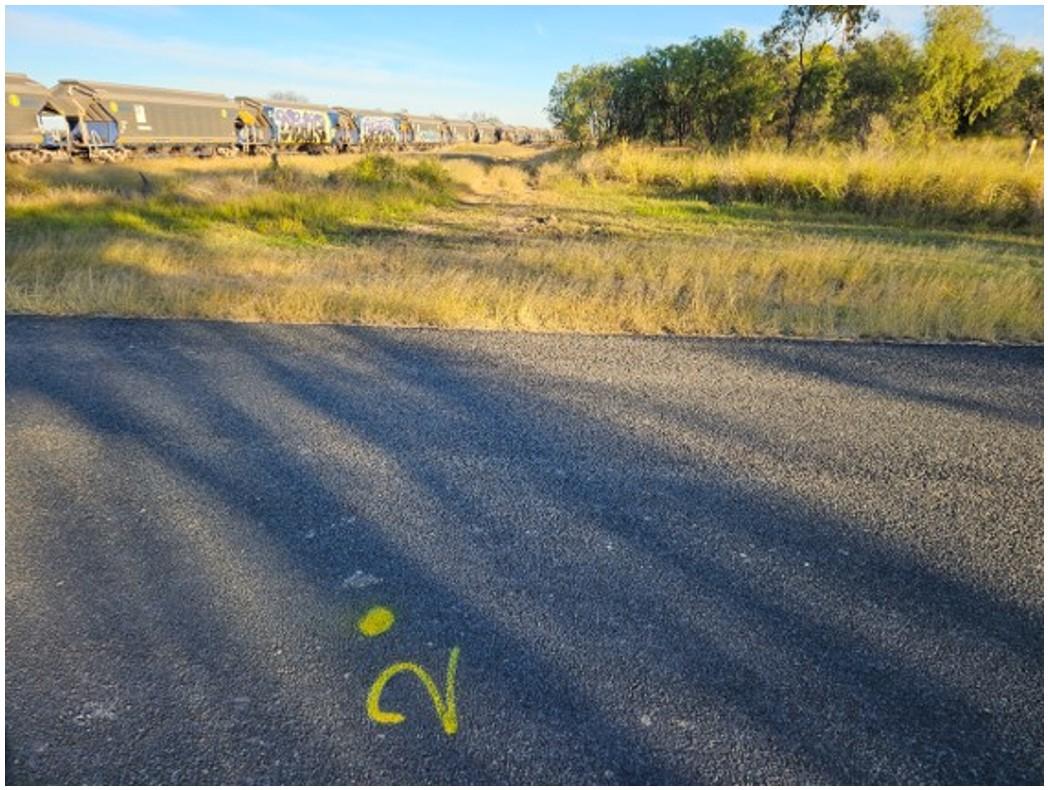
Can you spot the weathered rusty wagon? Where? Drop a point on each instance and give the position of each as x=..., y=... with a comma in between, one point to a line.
x=27, y=135
x=372, y=128
x=271, y=125
x=423, y=131
x=486, y=133
x=462, y=131
x=109, y=120
x=540, y=136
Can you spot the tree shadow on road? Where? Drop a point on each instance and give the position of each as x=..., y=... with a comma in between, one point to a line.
x=627, y=611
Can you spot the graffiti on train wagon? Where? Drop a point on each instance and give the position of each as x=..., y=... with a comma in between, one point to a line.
x=378, y=127
x=377, y=621
x=300, y=126
x=428, y=136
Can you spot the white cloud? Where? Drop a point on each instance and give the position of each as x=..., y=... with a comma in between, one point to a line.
x=391, y=78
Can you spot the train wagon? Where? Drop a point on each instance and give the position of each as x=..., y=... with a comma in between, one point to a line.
x=486, y=133
x=424, y=131
x=108, y=120
x=462, y=131
x=373, y=128
x=270, y=125
x=28, y=107
x=541, y=136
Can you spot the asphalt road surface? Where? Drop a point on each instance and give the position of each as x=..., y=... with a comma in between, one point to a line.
x=660, y=560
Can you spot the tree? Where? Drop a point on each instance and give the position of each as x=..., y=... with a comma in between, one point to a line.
x=1027, y=103
x=639, y=105
x=967, y=72
x=996, y=80
x=1028, y=107
x=733, y=90
x=1022, y=113
x=679, y=68
x=878, y=79
x=579, y=103
x=800, y=47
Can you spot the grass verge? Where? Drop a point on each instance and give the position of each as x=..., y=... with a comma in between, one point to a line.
x=510, y=238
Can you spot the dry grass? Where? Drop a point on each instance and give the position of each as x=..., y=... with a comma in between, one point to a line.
x=501, y=237
x=985, y=183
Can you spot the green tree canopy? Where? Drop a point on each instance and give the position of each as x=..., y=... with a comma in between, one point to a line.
x=878, y=79
x=800, y=47
x=815, y=75
x=967, y=71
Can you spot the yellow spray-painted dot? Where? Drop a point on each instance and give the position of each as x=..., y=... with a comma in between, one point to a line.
x=377, y=620
x=114, y=107
x=14, y=100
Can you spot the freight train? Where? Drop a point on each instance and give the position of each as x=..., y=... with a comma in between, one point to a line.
x=109, y=122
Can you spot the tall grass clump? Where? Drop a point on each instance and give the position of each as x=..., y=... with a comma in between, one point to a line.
x=984, y=184
x=386, y=172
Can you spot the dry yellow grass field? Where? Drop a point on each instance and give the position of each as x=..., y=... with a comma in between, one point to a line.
x=941, y=245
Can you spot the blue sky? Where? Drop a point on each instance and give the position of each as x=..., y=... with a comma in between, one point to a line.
x=428, y=59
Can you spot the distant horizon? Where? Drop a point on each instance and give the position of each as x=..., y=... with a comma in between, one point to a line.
x=428, y=60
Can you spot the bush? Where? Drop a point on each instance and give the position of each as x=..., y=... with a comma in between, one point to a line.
x=383, y=170
x=430, y=173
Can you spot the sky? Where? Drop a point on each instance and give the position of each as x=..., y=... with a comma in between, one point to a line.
x=442, y=60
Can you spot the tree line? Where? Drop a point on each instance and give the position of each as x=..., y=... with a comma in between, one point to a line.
x=816, y=75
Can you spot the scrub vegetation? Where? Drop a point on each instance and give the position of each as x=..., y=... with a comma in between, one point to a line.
x=942, y=243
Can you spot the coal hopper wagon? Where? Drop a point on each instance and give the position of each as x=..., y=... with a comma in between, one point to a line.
x=373, y=128
x=27, y=137
x=267, y=125
x=462, y=131
x=110, y=121
x=423, y=131
x=486, y=133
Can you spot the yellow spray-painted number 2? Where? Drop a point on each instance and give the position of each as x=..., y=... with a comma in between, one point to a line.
x=377, y=621
x=445, y=708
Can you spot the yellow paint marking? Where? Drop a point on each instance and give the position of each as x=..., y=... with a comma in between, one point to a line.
x=377, y=620
x=14, y=100
x=445, y=708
